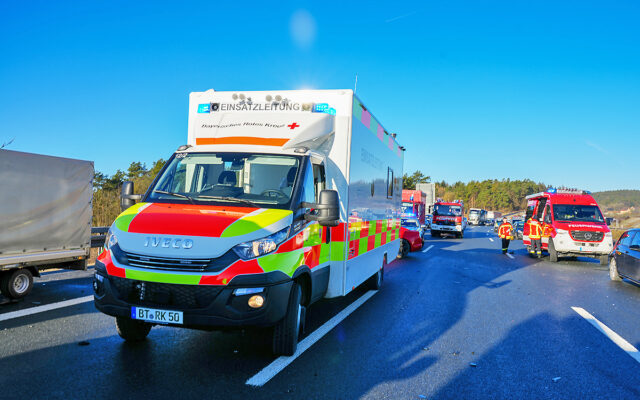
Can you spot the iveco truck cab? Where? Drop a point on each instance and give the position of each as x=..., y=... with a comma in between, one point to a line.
x=278, y=199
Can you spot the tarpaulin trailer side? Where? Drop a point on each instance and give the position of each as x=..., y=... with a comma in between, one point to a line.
x=45, y=213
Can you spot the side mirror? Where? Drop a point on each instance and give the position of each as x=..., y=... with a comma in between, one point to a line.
x=328, y=209
x=127, y=198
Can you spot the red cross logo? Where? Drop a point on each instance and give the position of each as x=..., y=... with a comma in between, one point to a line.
x=293, y=126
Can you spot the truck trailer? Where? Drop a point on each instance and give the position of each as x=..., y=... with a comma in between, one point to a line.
x=278, y=199
x=45, y=217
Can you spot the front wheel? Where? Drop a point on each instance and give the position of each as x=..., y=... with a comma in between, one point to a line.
x=375, y=282
x=132, y=330
x=17, y=283
x=287, y=331
x=435, y=234
x=613, y=270
x=553, y=254
x=404, y=248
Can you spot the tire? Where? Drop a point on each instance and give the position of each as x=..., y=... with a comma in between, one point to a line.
x=131, y=330
x=604, y=259
x=17, y=283
x=435, y=234
x=405, y=247
x=553, y=254
x=613, y=270
x=287, y=331
x=460, y=235
x=375, y=281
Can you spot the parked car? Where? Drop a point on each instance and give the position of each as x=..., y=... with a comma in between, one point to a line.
x=518, y=227
x=489, y=222
x=412, y=236
x=496, y=225
x=625, y=258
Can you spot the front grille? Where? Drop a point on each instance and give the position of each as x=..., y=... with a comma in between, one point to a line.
x=447, y=223
x=587, y=236
x=164, y=294
x=185, y=264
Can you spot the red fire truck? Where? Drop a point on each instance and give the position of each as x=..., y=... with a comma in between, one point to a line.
x=448, y=218
x=574, y=224
x=414, y=204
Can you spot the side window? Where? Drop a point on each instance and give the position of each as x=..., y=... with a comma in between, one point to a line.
x=390, y=183
x=625, y=240
x=635, y=241
x=319, y=181
x=547, y=214
x=308, y=187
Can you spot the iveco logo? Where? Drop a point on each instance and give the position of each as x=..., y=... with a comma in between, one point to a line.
x=588, y=235
x=156, y=241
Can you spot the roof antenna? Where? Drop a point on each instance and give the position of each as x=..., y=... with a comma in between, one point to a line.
x=355, y=87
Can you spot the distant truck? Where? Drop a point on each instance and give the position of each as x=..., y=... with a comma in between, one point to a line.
x=494, y=215
x=448, y=217
x=45, y=217
x=477, y=216
x=413, y=205
x=574, y=222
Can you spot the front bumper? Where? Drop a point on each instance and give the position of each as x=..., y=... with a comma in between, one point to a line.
x=565, y=244
x=203, y=306
x=446, y=228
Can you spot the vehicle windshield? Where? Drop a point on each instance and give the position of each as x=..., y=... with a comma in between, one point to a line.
x=261, y=180
x=474, y=212
x=576, y=213
x=441, y=209
x=410, y=223
x=407, y=207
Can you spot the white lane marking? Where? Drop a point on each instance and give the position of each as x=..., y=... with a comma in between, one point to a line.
x=46, y=307
x=510, y=256
x=427, y=249
x=614, y=337
x=491, y=239
x=282, y=362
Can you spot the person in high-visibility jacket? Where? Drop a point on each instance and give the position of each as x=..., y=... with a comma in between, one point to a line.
x=505, y=231
x=547, y=230
x=535, y=235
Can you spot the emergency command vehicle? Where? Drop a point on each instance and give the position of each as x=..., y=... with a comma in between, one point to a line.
x=572, y=224
x=279, y=199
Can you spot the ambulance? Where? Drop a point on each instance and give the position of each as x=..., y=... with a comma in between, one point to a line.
x=574, y=224
x=278, y=199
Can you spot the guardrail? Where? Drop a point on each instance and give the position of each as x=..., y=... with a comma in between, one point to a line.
x=98, y=235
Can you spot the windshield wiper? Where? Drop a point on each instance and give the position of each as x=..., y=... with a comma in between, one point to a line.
x=176, y=194
x=227, y=198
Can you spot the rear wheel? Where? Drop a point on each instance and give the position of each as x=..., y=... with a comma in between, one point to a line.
x=553, y=254
x=132, y=330
x=287, y=331
x=604, y=259
x=460, y=235
x=17, y=283
x=375, y=282
x=405, y=247
x=613, y=270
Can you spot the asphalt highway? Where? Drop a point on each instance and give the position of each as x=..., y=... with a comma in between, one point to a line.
x=459, y=320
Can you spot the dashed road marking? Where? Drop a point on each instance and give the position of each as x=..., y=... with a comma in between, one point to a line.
x=608, y=332
x=46, y=307
x=510, y=256
x=427, y=249
x=491, y=239
x=282, y=362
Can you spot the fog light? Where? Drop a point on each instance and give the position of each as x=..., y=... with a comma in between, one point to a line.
x=256, y=301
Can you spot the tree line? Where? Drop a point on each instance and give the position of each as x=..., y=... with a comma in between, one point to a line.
x=106, y=189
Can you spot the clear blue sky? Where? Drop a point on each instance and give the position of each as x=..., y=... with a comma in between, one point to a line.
x=479, y=89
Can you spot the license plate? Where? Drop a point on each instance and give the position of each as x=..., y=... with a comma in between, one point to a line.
x=156, y=316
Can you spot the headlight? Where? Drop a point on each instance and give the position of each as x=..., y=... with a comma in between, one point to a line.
x=110, y=240
x=259, y=247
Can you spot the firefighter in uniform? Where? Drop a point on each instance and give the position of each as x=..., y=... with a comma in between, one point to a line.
x=504, y=232
x=535, y=235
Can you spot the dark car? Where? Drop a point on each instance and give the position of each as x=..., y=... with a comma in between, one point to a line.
x=625, y=258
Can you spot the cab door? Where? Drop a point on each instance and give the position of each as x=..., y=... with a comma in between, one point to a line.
x=622, y=250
